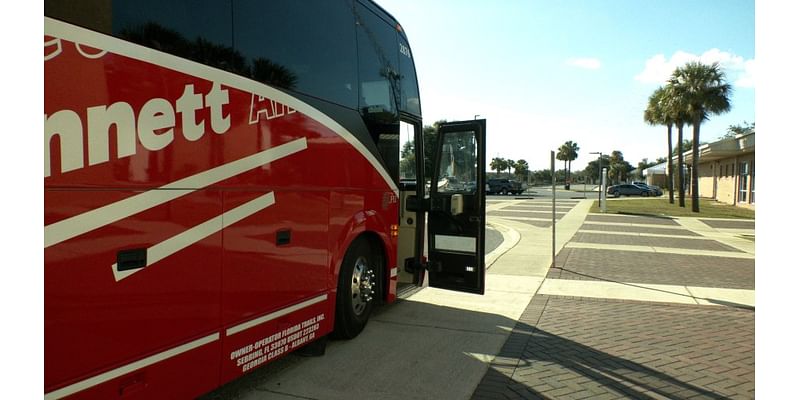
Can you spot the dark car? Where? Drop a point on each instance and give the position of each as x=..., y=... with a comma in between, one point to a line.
x=504, y=186
x=655, y=190
x=629, y=190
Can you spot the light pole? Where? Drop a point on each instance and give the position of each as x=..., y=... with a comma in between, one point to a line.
x=600, y=173
x=476, y=116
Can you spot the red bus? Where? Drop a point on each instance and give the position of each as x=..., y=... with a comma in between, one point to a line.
x=229, y=181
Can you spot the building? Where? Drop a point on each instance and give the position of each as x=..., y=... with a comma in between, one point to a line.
x=726, y=171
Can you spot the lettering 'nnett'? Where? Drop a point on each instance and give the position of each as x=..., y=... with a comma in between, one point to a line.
x=153, y=126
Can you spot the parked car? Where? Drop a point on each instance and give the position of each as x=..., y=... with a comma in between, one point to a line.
x=504, y=186
x=629, y=190
x=655, y=190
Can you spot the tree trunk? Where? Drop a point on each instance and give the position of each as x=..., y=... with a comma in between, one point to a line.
x=670, y=184
x=695, y=159
x=681, y=174
x=569, y=172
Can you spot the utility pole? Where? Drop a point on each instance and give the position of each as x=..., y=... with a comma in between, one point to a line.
x=553, y=172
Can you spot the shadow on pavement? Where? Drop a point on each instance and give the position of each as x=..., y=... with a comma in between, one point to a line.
x=537, y=364
x=430, y=351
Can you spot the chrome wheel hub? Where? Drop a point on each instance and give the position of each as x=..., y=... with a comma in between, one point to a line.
x=362, y=285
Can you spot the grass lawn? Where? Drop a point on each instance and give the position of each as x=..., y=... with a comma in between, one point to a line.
x=660, y=207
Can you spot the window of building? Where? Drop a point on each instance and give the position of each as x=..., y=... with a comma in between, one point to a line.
x=743, y=175
x=753, y=184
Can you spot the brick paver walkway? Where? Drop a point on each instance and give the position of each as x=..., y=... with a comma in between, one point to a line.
x=577, y=347
x=536, y=213
x=724, y=224
x=638, y=229
x=680, y=243
x=662, y=269
x=623, y=219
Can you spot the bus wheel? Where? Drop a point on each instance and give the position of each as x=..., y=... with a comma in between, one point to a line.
x=357, y=289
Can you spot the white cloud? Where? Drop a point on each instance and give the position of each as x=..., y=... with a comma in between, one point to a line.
x=586, y=63
x=741, y=72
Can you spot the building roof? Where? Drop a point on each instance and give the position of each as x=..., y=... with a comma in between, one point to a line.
x=725, y=148
x=658, y=169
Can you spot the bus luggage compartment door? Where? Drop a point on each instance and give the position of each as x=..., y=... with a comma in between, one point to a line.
x=457, y=217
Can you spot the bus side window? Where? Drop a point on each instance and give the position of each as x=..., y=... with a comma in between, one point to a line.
x=188, y=29
x=286, y=46
x=409, y=91
x=377, y=67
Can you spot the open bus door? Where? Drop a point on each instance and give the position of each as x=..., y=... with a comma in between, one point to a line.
x=457, y=213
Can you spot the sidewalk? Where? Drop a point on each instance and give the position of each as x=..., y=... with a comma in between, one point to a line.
x=618, y=317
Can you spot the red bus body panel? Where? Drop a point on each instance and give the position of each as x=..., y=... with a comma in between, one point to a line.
x=203, y=171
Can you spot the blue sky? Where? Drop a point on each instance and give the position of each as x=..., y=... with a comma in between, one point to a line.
x=544, y=72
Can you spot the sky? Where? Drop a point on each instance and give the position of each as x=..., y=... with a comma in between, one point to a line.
x=545, y=72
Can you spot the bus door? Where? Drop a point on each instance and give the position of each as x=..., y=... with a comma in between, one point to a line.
x=457, y=214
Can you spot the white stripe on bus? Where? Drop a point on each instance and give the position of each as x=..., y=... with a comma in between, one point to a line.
x=78, y=225
x=90, y=38
x=156, y=358
x=125, y=369
x=197, y=233
x=274, y=315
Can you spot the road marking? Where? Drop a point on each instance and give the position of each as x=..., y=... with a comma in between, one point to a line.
x=649, y=292
x=642, y=234
x=678, y=227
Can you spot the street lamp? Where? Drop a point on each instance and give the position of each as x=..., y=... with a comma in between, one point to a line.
x=476, y=116
x=600, y=173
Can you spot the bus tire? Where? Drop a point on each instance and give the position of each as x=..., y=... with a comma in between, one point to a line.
x=357, y=290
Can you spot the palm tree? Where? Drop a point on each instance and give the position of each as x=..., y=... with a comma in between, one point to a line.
x=568, y=152
x=703, y=91
x=510, y=164
x=499, y=164
x=563, y=154
x=572, y=154
x=521, y=169
x=677, y=110
x=656, y=114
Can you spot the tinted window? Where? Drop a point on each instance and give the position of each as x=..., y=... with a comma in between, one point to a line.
x=458, y=166
x=306, y=46
x=409, y=92
x=198, y=29
x=377, y=66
